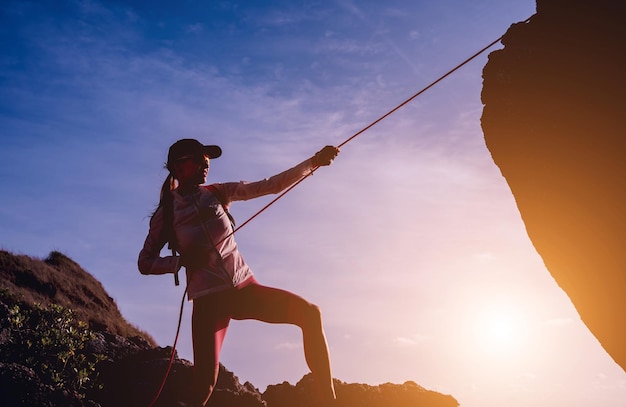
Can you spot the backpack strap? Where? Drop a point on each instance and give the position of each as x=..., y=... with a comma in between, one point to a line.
x=167, y=206
x=222, y=199
x=168, y=209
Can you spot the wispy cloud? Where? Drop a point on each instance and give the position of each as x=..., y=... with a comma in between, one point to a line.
x=413, y=340
x=289, y=346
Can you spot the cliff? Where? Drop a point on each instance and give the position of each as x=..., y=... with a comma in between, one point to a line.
x=554, y=121
x=64, y=342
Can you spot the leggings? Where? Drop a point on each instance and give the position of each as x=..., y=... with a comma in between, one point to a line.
x=213, y=312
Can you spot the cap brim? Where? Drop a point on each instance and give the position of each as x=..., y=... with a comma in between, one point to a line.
x=212, y=151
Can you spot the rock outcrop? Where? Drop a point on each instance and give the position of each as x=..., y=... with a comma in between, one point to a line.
x=120, y=365
x=60, y=280
x=128, y=366
x=408, y=394
x=136, y=376
x=555, y=123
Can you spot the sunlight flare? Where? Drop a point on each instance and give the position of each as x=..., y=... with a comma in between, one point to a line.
x=500, y=329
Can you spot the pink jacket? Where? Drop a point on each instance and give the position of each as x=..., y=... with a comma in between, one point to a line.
x=200, y=224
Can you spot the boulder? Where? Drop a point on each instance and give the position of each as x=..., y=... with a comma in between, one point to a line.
x=408, y=394
x=554, y=121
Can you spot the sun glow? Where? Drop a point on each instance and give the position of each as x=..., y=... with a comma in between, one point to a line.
x=500, y=329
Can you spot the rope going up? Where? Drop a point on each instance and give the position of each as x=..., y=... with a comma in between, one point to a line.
x=273, y=201
x=369, y=126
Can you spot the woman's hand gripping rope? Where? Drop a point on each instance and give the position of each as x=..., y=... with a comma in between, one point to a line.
x=325, y=156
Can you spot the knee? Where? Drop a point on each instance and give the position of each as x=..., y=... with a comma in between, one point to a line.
x=312, y=315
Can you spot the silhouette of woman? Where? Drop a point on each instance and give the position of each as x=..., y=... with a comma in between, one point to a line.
x=194, y=219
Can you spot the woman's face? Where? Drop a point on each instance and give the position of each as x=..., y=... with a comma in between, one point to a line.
x=192, y=170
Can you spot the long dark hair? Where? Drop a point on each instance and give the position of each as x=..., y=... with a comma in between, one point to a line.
x=166, y=203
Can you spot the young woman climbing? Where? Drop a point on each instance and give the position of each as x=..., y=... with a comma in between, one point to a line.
x=193, y=218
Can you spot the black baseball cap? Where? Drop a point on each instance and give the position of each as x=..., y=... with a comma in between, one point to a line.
x=188, y=146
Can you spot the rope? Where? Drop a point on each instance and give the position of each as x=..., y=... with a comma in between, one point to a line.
x=398, y=107
x=369, y=126
x=171, y=362
x=355, y=135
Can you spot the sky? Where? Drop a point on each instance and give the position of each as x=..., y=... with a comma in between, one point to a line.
x=410, y=242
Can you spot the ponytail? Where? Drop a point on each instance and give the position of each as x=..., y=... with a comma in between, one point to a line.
x=166, y=189
x=166, y=202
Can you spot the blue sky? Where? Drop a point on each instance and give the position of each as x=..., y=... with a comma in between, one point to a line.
x=410, y=242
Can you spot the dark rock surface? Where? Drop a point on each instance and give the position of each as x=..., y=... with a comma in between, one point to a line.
x=555, y=123
x=135, y=379
x=21, y=386
x=356, y=394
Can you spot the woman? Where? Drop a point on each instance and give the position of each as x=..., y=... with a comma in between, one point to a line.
x=194, y=219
